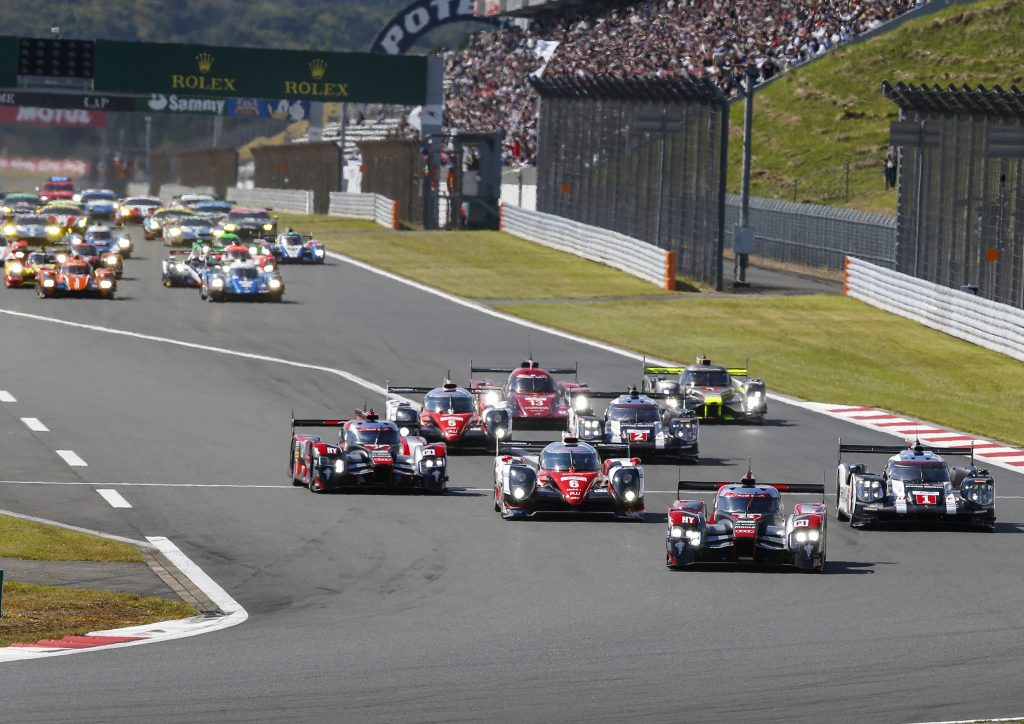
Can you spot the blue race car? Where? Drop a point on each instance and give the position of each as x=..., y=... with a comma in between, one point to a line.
x=99, y=205
x=108, y=241
x=241, y=280
x=293, y=247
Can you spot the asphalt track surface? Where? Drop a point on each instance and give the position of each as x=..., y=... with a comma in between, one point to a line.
x=383, y=608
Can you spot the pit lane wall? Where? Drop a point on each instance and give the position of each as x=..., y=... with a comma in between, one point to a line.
x=988, y=324
x=639, y=258
x=375, y=207
x=293, y=200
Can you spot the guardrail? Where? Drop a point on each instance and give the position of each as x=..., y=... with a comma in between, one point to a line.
x=294, y=200
x=639, y=258
x=373, y=207
x=988, y=324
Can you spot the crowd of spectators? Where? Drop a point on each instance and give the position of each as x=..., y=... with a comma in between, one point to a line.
x=488, y=81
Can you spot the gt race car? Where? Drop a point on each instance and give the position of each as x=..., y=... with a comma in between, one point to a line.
x=448, y=414
x=187, y=231
x=76, y=277
x=566, y=477
x=136, y=208
x=19, y=203
x=182, y=269
x=637, y=420
x=370, y=454
x=915, y=485
x=534, y=398
x=109, y=242
x=154, y=224
x=57, y=187
x=22, y=268
x=712, y=391
x=99, y=205
x=747, y=521
x=35, y=229
x=241, y=281
x=250, y=224
x=292, y=247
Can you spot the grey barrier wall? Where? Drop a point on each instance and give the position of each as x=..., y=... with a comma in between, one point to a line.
x=644, y=158
x=169, y=191
x=296, y=201
x=633, y=256
x=374, y=207
x=137, y=188
x=813, y=235
x=983, y=322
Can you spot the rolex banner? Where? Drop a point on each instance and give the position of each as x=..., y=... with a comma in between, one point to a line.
x=211, y=71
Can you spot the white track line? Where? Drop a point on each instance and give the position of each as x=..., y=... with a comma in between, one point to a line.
x=72, y=458
x=33, y=424
x=196, y=574
x=113, y=497
x=6, y=396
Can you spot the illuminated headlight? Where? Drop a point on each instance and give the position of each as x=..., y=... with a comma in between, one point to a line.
x=19, y=255
x=500, y=432
x=403, y=431
x=7, y=209
x=125, y=211
x=230, y=227
x=106, y=284
x=630, y=496
x=179, y=267
x=801, y=536
x=275, y=283
x=48, y=283
x=491, y=398
x=62, y=258
x=254, y=250
x=980, y=494
x=693, y=536
x=755, y=395
x=82, y=222
x=174, y=232
x=268, y=268
x=869, y=490
x=319, y=252
x=206, y=248
x=813, y=536
x=268, y=227
x=582, y=403
x=672, y=402
x=15, y=268
x=53, y=230
x=519, y=493
x=112, y=260
x=676, y=532
x=10, y=230
x=217, y=283
x=124, y=243
x=339, y=465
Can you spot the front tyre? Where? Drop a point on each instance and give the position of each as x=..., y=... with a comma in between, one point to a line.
x=840, y=515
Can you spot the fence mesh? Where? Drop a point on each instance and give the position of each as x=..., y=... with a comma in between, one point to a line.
x=596, y=165
x=216, y=167
x=393, y=167
x=312, y=167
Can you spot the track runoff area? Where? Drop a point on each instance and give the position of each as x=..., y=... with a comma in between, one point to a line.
x=158, y=414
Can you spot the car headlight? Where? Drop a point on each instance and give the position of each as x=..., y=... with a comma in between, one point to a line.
x=519, y=493
x=15, y=268
x=403, y=431
x=112, y=260
x=869, y=490
x=230, y=227
x=500, y=432
x=491, y=398
x=676, y=532
x=672, y=402
x=206, y=248
x=275, y=283
x=980, y=493
x=813, y=536
x=217, y=283
x=174, y=232
x=339, y=465
x=61, y=258
x=581, y=403
x=48, y=283
x=124, y=243
x=254, y=250
x=106, y=284
x=10, y=230
x=268, y=227
x=630, y=496
x=125, y=211
x=179, y=267
x=53, y=230
x=801, y=536
x=268, y=268
x=319, y=252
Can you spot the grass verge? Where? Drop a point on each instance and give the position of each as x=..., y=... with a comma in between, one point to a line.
x=477, y=264
x=37, y=542
x=825, y=348
x=320, y=225
x=32, y=613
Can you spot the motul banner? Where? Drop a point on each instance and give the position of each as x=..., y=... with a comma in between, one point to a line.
x=63, y=117
x=46, y=166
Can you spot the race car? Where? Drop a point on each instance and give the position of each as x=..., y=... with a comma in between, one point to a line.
x=187, y=230
x=448, y=414
x=96, y=258
x=533, y=396
x=134, y=209
x=566, y=477
x=250, y=224
x=747, y=522
x=370, y=454
x=99, y=205
x=109, y=242
x=68, y=215
x=915, y=485
x=292, y=247
x=35, y=229
x=19, y=203
x=22, y=267
x=212, y=209
x=190, y=200
x=636, y=419
x=75, y=276
x=241, y=280
x=57, y=187
x=711, y=391
x=182, y=269
x=153, y=225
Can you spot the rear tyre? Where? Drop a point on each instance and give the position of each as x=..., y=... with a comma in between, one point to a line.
x=840, y=515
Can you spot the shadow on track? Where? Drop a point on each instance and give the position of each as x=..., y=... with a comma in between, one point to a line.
x=854, y=568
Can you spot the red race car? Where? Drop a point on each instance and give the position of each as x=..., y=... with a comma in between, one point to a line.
x=747, y=521
x=535, y=399
x=75, y=276
x=57, y=187
x=449, y=414
x=566, y=477
x=370, y=454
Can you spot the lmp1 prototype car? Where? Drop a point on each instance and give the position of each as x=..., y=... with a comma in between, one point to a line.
x=76, y=277
x=370, y=454
x=182, y=269
x=448, y=414
x=566, y=477
x=533, y=396
x=712, y=391
x=747, y=521
x=241, y=280
x=292, y=247
x=915, y=484
x=635, y=419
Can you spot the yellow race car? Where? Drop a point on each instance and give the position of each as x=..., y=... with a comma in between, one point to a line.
x=23, y=265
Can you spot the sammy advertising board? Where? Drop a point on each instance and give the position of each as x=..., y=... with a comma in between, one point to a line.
x=281, y=110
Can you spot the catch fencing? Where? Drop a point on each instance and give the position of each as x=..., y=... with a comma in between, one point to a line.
x=633, y=256
x=376, y=207
x=295, y=201
x=216, y=167
x=645, y=158
x=310, y=167
x=983, y=322
x=393, y=168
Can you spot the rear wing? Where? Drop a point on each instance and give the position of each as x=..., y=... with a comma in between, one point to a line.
x=705, y=487
x=894, y=449
x=526, y=446
x=526, y=365
x=604, y=395
x=409, y=390
x=307, y=422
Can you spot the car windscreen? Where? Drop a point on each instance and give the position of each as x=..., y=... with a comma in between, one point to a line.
x=31, y=220
x=248, y=216
x=919, y=472
x=101, y=235
x=195, y=221
x=62, y=210
x=141, y=202
x=448, y=403
x=747, y=503
x=246, y=272
x=41, y=258
x=99, y=196
x=76, y=269
x=85, y=250
x=565, y=458
x=706, y=378
x=372, y=436
x=634, y=413
x=539, y=383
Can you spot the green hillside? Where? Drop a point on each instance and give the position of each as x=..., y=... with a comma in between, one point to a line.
x=815, y=120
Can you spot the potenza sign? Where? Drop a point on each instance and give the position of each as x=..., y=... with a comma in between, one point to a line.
x=418, y=19
x=164, y=68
